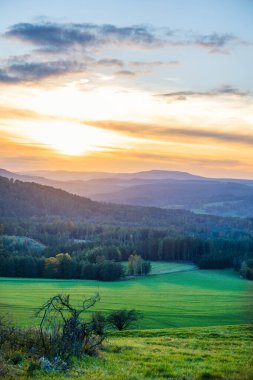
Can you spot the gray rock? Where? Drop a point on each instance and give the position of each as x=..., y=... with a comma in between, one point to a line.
x=56, y=365
x=59, y=364
x=45, y=364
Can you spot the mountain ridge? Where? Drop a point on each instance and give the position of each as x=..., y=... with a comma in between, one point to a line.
x=157, y=188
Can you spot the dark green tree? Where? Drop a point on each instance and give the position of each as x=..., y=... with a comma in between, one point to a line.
x=123, y=319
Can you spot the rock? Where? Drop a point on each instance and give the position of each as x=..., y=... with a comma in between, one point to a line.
x=45, y=364
x=59, y=364
x=56, y=365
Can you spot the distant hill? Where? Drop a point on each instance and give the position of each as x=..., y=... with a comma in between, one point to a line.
x=61, y=175
x=158, y=188
x=28, y=178
x=203, y=196
x=159, y=175
x=26, y=200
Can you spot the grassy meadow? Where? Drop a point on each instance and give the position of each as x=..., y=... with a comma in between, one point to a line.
x=161, y=267
x=181, y=354
x=196, y=324
x=181, y=299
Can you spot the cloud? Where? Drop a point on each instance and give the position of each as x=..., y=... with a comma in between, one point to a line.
x=110, y=62
x=50, y=35
x=126, y=73
x=223, y=90
x=10, y=113
x=168, y=157
x=6, y=78
x=137, y=34
x=153, y=64
x=12, y=145
x=215, y=42
x=17, y=113
x=71, y=42
x=226, y=89
x=20, y=72
x=177, y=159
x=17, y=155
x=57, y=37
x=77, y=45
x=170, y=133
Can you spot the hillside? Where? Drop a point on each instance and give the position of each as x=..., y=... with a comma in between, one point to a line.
x=154, y=188
x=62, y=175
x=197, y=354
x=180, y=299
x=24, y=200
x=206, y=196
x=198, y=325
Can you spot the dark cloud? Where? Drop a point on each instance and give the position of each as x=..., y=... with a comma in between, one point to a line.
x=152, y=64
x=20, y=72
x=53, y=35
x=62, y=36
x=162, y=132
x=215, y=42
x=126, y=73
x=226, y=89
x=138, y=34
x=223, y=90
x=6, y=78
x=110, y=62
x=76, y=44
x=57, y=37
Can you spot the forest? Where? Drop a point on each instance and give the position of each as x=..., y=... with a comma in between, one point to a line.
x=45, y=232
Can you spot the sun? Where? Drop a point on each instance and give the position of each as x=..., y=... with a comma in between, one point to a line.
x=69, y=138
x=75, y=140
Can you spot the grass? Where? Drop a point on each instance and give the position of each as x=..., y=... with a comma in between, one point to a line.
x=161, y=267
x=186, y=299
x=181, y=354
x=173, y=344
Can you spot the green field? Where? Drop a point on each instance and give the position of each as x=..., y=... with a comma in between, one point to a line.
x=161, y=267
x=176, y=305
x=186, y=299
x=179, y=354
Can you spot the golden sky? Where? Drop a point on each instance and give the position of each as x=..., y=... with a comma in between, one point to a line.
x=102, y=96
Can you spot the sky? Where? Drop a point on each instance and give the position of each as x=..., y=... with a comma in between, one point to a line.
x=116, y=85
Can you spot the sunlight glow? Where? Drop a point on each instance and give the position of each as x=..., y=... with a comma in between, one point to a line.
x=68, y=138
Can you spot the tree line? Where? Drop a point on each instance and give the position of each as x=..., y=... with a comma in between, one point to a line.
x=99, y=263
x=103, y=262
x=110, y=244
x=61, y=266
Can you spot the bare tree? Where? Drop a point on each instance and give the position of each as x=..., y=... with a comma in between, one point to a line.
x=63, y=331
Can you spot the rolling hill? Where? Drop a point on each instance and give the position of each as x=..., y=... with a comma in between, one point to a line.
x=25, y=200
x=155, y=188
x=204, y=196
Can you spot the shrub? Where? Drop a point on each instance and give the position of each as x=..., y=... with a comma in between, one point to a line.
x=123, y=319
x=62, y=334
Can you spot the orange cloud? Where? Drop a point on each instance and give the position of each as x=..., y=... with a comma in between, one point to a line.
x=172, y=133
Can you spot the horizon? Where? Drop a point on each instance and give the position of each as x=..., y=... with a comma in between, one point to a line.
x=163, y=86
x=36, y=172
